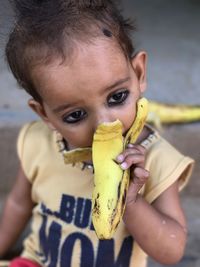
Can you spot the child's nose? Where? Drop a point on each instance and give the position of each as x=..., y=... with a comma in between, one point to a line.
x=103, y=118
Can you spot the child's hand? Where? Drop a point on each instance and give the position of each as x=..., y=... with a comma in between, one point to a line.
x=134, y=158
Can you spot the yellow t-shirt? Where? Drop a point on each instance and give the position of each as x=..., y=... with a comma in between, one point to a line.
x=62, y=234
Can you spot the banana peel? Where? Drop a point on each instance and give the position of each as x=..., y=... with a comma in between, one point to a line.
x=110, y=181
x=108, y=177
x=160, y=113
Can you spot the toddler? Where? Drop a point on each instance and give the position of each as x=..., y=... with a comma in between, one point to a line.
x=77, y=62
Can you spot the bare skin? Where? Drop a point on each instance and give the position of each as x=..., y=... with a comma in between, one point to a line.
x=16, y=213
x=110, y=86
x=163, y=234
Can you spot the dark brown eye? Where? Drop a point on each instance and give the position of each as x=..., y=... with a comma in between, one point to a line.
x=118, y=98
x=75, y=116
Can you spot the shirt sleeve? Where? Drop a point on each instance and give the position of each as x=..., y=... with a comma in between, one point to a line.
x=166, y=165
x=25, y=150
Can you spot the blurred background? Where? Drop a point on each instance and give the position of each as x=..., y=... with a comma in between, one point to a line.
x=169, y=31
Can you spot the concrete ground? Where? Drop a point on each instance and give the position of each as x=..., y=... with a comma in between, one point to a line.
x=168, y=30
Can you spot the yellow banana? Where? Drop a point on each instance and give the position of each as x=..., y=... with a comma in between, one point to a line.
x=110, y=181
x=75, y=155
x=165, y=113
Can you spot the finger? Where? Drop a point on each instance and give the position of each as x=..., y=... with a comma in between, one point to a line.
x=121, y=157
x=131, y=159
x=140, y=175
x=141, y=148
x=136, y=183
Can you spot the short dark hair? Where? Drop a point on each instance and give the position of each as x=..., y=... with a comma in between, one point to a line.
x=45, y=29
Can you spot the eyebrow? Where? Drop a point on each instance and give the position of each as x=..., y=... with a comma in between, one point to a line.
x=62, y=107
x=117, y=83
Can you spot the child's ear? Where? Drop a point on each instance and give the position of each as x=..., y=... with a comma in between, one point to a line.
x=139, y=63
x=40, y=110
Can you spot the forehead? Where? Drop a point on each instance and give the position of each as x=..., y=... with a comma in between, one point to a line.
x=91, y=65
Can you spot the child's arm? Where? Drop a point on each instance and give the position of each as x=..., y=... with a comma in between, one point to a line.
x=16, y=212
x=160, y=228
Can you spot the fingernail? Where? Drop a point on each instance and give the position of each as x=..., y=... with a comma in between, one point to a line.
x=130, y=145
x=120, y=158
x=124, y=166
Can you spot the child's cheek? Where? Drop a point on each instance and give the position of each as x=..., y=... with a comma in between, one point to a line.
x=80, y=137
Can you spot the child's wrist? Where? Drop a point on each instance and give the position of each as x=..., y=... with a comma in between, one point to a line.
x=132, y=207
x=131, y=201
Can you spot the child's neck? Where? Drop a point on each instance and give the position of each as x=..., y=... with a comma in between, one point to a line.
x=144, y=134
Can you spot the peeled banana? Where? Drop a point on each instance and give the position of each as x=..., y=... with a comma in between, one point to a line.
x=160, y=113
x=110, y=181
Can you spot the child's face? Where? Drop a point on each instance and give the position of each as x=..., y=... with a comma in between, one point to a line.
x=98, y=85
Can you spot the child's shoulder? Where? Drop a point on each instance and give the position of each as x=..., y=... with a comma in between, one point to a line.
x=159, y=147
x=36, y=146
x=163, y=155
x=33, y=136
x=34, y=128
x=166, y=165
